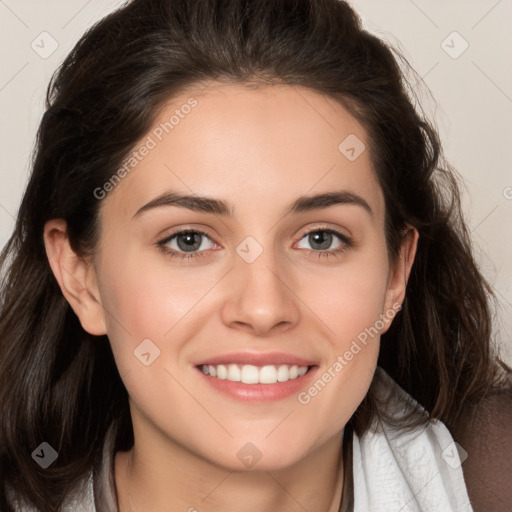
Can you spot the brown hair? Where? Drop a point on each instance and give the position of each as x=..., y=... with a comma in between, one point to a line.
x=60, y=384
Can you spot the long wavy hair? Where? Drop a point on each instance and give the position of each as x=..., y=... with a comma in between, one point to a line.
x=60, y=384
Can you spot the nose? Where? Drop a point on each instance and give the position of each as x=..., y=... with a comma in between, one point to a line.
x=261, y=298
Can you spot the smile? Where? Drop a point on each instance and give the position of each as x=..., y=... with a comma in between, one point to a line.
x=250, y=374
x=254, y=377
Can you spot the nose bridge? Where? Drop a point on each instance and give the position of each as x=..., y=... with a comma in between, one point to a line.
x=262, y=274
x=259, y=297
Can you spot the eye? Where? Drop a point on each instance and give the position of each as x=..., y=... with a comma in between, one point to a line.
x=322, y=240
x=186, y=243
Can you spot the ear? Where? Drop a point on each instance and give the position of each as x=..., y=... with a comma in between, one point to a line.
x=76, y=277
x=400, y=272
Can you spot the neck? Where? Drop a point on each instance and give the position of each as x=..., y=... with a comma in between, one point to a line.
x=176, y=480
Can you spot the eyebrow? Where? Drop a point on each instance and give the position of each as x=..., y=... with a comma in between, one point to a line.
x=221, y=207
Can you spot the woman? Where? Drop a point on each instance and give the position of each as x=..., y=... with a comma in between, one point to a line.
x=244, y=283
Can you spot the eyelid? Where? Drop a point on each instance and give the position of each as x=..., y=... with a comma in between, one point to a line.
x=346, y=237
x=181, y=231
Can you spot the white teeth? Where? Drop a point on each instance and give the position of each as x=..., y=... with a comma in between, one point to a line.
x=283, y=374
x=268, y=375
x=250, y=374
x=234, y=373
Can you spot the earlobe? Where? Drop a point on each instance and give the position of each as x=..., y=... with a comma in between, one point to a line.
x=76, y=278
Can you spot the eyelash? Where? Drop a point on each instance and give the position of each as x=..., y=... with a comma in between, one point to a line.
x=172, y=253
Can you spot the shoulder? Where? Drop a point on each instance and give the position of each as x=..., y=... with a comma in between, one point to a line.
x=484, y=431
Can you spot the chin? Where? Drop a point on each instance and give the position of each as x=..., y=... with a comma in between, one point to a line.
x=247, y=456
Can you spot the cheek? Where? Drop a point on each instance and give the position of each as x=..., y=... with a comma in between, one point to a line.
x=351, y=305
x=143, y=299
x=351, y=299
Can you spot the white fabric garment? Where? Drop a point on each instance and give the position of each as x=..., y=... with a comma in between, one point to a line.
x=393, y=470
x=419, y=471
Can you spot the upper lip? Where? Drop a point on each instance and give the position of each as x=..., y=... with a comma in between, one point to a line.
x=257, y=359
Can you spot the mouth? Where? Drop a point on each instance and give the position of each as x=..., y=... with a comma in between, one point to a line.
x=257, y=377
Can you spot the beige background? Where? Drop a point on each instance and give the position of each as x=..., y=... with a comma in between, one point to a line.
x=472, y=109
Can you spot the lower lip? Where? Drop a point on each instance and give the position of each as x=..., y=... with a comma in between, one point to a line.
x=259, y=392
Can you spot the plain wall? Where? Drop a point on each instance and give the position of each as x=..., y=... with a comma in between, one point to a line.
x=472, y=108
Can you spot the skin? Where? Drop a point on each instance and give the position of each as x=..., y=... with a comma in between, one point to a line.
x=258, y=149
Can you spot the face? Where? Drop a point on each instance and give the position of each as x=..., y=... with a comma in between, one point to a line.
x=250, y=310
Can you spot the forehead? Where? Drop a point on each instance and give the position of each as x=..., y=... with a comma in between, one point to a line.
x=270, y=143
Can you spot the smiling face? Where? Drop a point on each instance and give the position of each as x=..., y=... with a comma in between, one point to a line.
x=282, y=269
